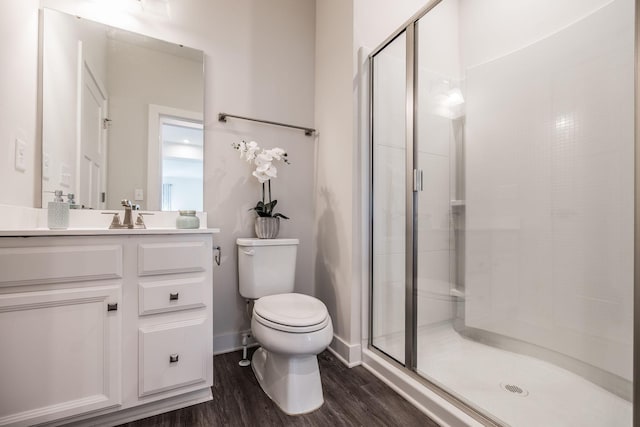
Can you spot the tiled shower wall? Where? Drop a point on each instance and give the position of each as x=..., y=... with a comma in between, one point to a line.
x=549, y=167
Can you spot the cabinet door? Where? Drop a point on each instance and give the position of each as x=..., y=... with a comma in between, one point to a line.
x=172, y=355
x=60, y=353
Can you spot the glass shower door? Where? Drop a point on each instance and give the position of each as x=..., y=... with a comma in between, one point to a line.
x=389, y=200
x=524, y=225
x=439, y=209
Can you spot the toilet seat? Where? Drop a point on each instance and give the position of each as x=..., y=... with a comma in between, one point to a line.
x=295, y=313
x=291, y=329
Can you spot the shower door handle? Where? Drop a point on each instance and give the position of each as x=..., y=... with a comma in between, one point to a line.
x=417, y=180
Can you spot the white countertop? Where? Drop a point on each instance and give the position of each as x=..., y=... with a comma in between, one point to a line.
x=16, y=221
x=102, y=231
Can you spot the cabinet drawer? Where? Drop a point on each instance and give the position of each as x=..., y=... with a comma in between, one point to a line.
x=59, y=264
x=172, y=355
x=179, y=257
x=170, y=295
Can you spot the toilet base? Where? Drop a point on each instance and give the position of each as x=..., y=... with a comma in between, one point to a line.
x=292, y=382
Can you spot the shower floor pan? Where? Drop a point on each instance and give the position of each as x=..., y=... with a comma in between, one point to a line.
x=517, y=390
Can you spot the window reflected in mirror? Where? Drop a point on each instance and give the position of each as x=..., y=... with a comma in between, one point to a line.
x=182, y=164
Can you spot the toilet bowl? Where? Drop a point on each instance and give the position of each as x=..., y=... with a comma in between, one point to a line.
x=291, y=329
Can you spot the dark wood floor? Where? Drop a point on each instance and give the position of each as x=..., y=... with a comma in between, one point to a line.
x=352, y=397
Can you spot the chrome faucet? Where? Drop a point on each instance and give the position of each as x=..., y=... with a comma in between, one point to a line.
x=128, y=217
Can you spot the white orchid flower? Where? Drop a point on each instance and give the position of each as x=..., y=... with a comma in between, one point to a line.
x=277, y=153
x=263, y=167
x=263, y=157
x=272, y=171
x=251, y=150
x=262, y=177
x=264, y=172
x=240, y=147
x=268, y=169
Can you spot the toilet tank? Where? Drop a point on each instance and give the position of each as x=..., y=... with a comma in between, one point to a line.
x=266, y=266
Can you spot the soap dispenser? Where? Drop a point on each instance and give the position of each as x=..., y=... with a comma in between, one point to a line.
x=71, y=199
x=58, y=213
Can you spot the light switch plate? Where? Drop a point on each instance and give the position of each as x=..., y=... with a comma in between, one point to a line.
x=139, y=194
x=21, y=155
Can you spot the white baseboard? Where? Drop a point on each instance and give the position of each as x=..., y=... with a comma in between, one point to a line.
x=227, y=343
x=138, y=412
x=434, y=406
x=349, y=354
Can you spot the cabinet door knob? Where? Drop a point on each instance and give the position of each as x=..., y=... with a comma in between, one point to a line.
x=112, y=306
x=173, y=358
x=173, y=297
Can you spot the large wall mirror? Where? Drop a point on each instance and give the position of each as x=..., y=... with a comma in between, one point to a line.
x=122, y=117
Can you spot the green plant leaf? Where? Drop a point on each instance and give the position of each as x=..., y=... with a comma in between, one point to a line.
x=265, y=210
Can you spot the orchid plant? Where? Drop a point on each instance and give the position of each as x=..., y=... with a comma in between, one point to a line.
x=265, y=171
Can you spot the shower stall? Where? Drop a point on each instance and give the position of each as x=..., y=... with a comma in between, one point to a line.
x=502, y=207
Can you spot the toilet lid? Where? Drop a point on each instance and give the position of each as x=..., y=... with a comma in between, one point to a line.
x=295, y=310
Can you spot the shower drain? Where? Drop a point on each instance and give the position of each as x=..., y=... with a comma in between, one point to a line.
x=514, y=389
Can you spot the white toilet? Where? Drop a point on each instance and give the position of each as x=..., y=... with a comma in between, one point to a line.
x=291, y=328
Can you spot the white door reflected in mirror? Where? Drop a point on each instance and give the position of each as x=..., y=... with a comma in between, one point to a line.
x=93, y=143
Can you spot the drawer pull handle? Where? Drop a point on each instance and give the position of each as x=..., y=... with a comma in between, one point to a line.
x=112, y=306
x=173, y=297
x=173, y=358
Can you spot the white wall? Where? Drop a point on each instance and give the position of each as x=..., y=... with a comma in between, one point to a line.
x=139, y=76
x=18, y=86
x=254, y=67
x=334, y=117
x=375, y=20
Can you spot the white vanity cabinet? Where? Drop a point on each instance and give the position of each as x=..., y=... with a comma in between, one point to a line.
x=104, y=329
